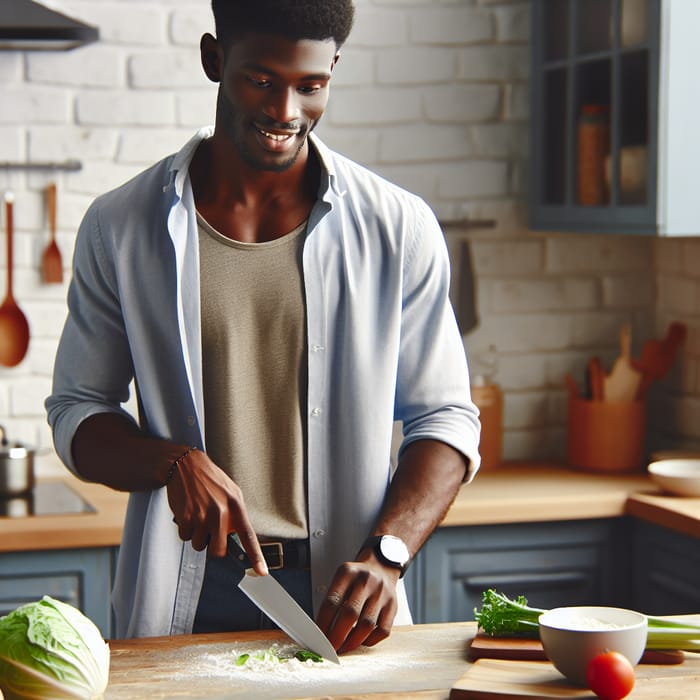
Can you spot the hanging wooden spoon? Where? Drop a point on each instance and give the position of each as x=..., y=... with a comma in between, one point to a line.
x=51, y=263
x=14, y=329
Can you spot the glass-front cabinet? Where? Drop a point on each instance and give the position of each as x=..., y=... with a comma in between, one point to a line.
x=611, y=142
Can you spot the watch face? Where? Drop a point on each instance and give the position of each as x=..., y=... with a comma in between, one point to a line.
x=394, y=549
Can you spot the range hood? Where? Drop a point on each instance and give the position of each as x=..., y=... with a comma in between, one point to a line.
x=29, y=26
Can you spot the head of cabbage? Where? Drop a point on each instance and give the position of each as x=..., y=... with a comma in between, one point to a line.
x=49, y=649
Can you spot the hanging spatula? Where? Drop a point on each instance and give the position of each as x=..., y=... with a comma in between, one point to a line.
x=51, y=262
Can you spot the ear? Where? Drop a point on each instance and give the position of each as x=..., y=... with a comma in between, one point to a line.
x=212, y=57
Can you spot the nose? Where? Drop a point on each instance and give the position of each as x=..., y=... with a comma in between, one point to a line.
x=282, y=105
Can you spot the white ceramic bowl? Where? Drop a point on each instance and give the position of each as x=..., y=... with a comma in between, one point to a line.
x=572, y=636
x=677, y=476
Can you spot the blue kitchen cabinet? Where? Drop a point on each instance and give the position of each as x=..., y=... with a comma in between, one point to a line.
x=666, y=572
x=81, y=577
x=614, y=99
x=550, y=563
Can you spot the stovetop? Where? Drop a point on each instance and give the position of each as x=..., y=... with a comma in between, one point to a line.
x=46, y=498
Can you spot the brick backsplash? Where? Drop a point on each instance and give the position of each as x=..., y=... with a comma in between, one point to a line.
x=432, y=95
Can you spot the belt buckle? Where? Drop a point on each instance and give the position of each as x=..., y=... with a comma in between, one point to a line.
x=280, y=555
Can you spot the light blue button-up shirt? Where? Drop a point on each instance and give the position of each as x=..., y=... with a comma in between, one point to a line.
x=383, y=345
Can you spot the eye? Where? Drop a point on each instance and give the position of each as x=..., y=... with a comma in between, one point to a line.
x=259, y=82
x=309, y=89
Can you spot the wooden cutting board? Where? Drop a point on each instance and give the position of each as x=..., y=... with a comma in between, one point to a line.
x=483, y=646
x=413, y=660
x=495, y=679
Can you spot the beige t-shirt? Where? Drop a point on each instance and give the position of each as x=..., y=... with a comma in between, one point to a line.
x=254, y=371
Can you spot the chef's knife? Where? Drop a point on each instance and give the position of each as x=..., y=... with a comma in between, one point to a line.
x=267, y=593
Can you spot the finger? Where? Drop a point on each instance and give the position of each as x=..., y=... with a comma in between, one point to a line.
x=363, y=629
x=249, y=541
x=384, y=625
x=218, y=535
x=348, y=614
x=329, y=611
x=200, y=537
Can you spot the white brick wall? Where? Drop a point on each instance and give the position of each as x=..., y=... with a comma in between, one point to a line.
x=433, y=95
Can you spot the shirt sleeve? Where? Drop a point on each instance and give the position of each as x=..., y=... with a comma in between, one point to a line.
x=433, y=398
x=93, y=367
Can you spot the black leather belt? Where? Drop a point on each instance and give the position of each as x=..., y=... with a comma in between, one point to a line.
x=286, y=554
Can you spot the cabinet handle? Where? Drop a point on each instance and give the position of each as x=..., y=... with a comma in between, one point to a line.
x=515, y=581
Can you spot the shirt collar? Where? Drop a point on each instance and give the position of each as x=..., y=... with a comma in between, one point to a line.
x=179, y=165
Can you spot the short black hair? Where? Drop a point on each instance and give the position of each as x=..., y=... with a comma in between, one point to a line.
x=293, y=19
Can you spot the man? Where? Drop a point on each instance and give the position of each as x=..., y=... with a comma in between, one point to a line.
x=278, y=307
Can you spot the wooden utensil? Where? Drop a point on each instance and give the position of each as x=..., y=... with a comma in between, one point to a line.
x=658, y=356
x=14, y=329
x=596, y=378
x=51, y=262
x=623, y=381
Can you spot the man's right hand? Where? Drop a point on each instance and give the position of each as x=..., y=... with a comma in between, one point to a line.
x=208, y=505
x=110, y=449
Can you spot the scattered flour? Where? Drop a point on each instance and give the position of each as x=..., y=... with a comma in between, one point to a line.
x=275, y=666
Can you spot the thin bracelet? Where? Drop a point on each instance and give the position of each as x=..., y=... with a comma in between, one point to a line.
x=176, y=464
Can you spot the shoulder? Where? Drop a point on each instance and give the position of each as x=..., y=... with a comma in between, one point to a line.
x=350, y=177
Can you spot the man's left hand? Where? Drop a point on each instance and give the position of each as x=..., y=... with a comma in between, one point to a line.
x=361, y=604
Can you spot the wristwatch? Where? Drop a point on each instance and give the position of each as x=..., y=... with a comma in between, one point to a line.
x=390, y=550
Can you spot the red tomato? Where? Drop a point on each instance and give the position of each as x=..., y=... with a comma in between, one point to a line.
x=610, y=676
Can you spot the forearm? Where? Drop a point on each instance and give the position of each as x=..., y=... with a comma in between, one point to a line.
x=424, y=486
x=110, y=449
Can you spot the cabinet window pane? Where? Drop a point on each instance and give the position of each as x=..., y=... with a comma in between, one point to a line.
x=634, y=22
x=554, y=166
x=634, y=128
x=593, y=26
x=556, y=29
x=593, y=82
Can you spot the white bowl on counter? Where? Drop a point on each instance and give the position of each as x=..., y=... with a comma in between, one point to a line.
x=680, y=477
x=573, y=636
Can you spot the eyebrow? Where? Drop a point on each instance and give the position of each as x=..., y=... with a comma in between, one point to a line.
x=264, y=69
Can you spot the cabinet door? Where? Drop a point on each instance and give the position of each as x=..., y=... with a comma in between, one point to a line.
x=666, y=577
x=551, y=564
x=594, y=115
x=81, y=577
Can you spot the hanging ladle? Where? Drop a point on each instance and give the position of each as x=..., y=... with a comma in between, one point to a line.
x=14, y=329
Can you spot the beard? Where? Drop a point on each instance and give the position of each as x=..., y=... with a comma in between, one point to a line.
x=238, y=128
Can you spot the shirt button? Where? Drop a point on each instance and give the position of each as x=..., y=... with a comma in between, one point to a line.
x=190, y=420
x=316, y=412
x=322, y=589
x=319, y=533
x=317, y=348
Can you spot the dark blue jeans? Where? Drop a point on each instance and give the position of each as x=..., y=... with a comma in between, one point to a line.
x=223, y=607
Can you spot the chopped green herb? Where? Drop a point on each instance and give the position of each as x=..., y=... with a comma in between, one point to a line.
x=275, y=655
x=308, y=655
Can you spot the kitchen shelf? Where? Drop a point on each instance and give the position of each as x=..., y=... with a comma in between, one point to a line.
x=70, y=165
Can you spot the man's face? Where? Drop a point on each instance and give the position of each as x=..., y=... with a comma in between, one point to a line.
x=272, y=93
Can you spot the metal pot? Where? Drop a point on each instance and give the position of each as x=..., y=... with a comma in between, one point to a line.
x=16, y=467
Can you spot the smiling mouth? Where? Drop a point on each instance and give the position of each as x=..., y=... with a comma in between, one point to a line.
x=276, y=137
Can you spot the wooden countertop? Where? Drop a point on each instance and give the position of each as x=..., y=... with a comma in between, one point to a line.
x=527, y=492
x=513, y=493
x=418, y=662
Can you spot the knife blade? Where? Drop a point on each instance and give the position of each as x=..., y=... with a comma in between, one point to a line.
x=269, y=595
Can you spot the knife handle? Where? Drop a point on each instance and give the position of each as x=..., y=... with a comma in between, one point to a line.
x=236, y=552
